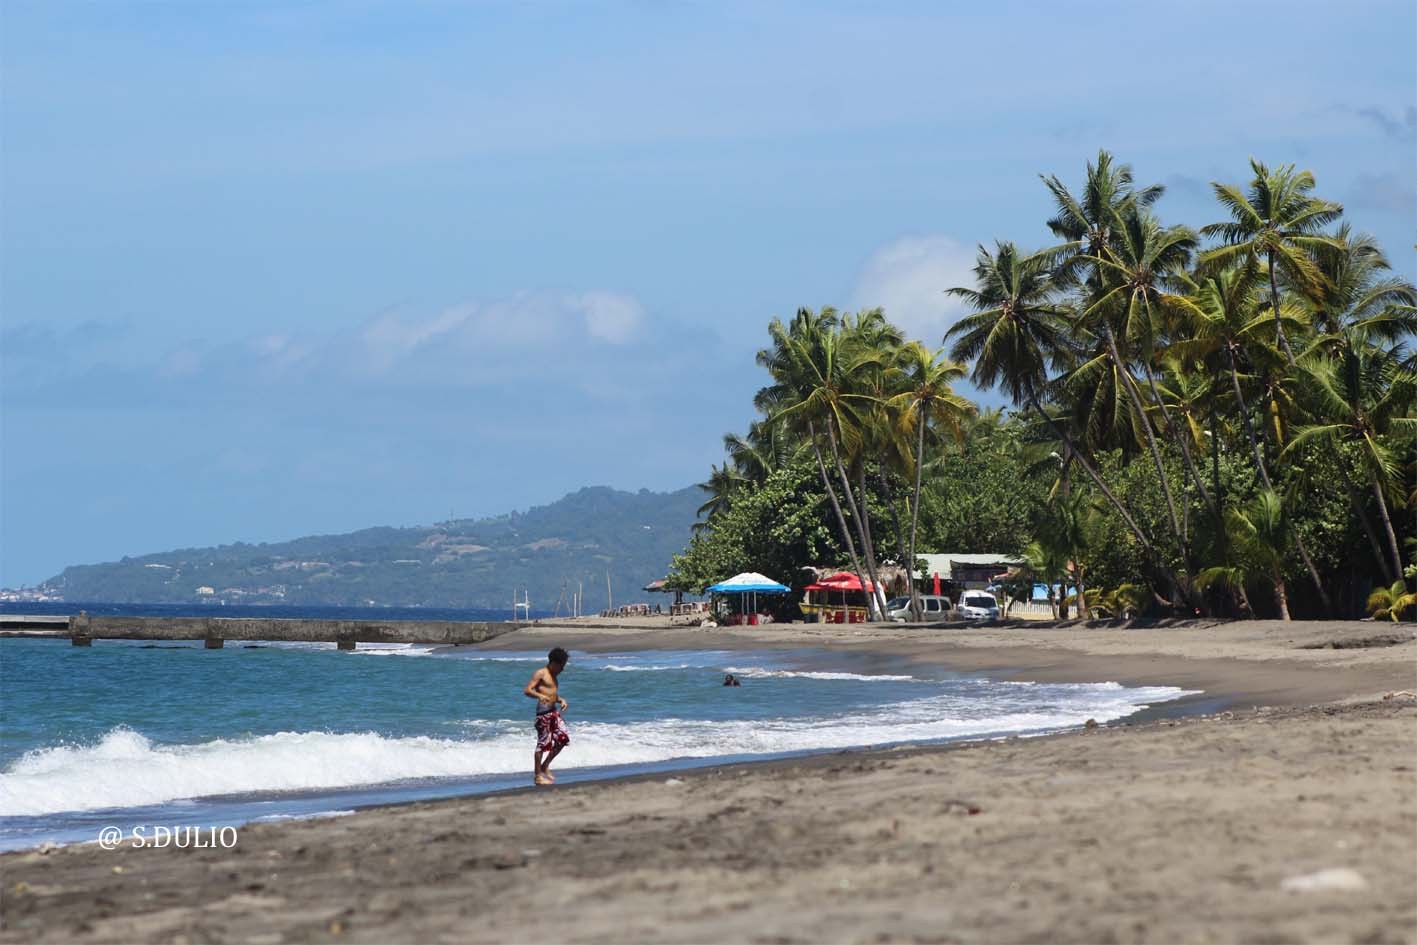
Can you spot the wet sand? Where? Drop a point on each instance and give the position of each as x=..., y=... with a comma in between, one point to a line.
x=1288, y=816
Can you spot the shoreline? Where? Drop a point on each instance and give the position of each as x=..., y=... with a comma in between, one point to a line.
x=1247, y=663
x=1182, y=827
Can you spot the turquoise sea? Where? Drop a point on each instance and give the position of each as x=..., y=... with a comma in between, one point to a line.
x=129, y=733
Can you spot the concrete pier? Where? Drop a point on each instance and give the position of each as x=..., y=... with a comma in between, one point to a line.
x=347, y=634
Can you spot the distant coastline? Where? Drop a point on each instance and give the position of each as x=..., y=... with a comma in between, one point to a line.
x=601, y=543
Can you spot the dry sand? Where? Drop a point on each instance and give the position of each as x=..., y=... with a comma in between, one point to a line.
x=1289, y=816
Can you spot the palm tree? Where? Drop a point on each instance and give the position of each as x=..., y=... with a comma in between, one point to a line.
x=1122, y=259
x=724, y=482
x=1223, y=319
x=1278, y=222
x=1364, y=396
x=1390, y=602
x=1046, y=561
x=871, y=345
x=1358, y=291
x=1260, y=536
x=1127, y=296
x=1088, y=223
x=759, y=454
x=928, y=398
x=1017, y=329
x=1140, y=278
x=810, y=392
x=1070, y=528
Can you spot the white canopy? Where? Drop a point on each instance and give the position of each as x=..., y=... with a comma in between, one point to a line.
x=749, y=582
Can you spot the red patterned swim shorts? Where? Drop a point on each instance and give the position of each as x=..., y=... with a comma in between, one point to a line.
x=551, y=732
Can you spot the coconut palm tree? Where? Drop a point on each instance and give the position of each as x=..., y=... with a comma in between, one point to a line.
x=724, y=482
x=872, y=346
x=1089, y=222
x=1279, y=223
x=1122, y=260
x=1359, y=290
x=1046, y=561
x=1140, y=299
x=1226, y=329
x=1260, y=537
x=812, y=392
x=1391, y=602
x=927, y=399
x=1364, y=396
x=762, y=452
x=1017, y=330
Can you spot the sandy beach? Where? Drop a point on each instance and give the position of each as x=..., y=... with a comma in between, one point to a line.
x=1285, y=812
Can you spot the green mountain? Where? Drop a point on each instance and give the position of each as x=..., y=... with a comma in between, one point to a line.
x=466, y=563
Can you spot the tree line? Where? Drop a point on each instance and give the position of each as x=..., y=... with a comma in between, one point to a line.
x=1215, y=421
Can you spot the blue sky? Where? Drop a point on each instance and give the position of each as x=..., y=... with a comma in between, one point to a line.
x=278, y=269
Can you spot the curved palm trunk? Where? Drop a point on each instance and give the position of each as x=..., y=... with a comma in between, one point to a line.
x=1221, y=537
x=1248, y=609
x=857, y=518
x=1356, y=500
x=1274, y=306
x=1281, y=594
x=831, y=494
x=1176, y=528
x=1178, y=433
x=890, y=501
x=1264, y=477
x=1078, y=582
x=879, y=595
x=915, y=612
x=1386, y=520
x=1141, y=536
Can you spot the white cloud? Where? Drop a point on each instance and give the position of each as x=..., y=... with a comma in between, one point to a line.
x=611, y=317
x=525, y=323
x=908, y=278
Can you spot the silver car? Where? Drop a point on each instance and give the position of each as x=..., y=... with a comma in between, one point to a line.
x=932, y=607
x=978, y=605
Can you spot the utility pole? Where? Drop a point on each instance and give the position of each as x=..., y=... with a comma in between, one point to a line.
x=609, y=598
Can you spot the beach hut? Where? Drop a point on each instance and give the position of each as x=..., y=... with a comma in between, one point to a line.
x=661, y=587
x=749, y=583
x=844, y=583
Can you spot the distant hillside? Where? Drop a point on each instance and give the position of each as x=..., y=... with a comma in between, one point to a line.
x=467, y=563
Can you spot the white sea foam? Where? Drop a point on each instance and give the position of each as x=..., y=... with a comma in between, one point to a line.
x=394, y=649
x=125, y=769
x=318, y=815
x=754, y=672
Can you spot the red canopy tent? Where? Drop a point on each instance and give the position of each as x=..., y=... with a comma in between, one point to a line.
x=843, y=582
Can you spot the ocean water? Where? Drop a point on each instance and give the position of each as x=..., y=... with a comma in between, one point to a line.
x=128, y=733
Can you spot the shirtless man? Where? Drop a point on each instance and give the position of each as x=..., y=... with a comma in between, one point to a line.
x=551, y=734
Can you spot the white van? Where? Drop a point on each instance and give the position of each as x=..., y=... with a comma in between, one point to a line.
x=932, y=607
x=978, y=605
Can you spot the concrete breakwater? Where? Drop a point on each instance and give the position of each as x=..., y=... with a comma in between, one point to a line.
x=83, y=629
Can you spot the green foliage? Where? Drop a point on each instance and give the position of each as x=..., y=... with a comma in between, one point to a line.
x=1390, y=603
x=980, y=498
x=1201, y=413
x=774, y=529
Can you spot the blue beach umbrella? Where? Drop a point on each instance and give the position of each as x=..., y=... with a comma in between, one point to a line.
x=749, y=582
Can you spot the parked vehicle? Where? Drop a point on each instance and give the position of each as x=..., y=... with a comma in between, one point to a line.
x=932, y=607
x=978, y=605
